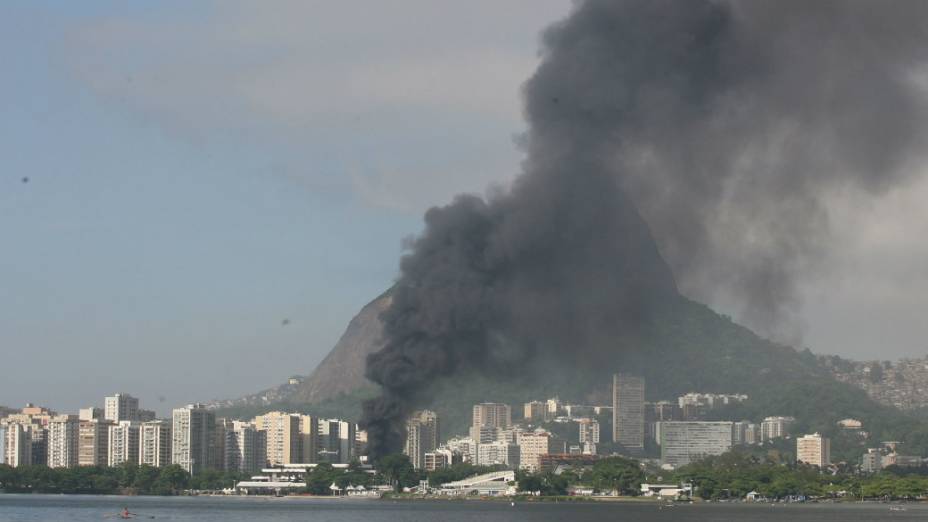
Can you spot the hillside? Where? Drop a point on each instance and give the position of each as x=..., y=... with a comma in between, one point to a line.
x=686, y=347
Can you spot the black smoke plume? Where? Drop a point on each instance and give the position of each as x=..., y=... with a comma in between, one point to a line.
x=727, y=125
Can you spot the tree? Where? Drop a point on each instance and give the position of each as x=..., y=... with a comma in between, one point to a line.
x=397, y=471
x=619, y=474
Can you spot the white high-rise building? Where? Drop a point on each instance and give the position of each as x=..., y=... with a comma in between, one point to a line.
x=246, y=448
x=775, y=427
x=498, y=453
x=123, y=443
x=63, y=437
x=336, y=441
x=121, y=407
x=2, y=443
x=465, y=447
x=193, y=438
x=589, y=430
x=93, y=442
x=686, y=442
x=422, y=436
x=155, y=443
x=17, y=444
x=628, y=411
x=491, y=414
x=814, y=449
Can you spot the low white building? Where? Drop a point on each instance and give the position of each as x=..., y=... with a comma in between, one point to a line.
x=494, y=484
x=666, y=490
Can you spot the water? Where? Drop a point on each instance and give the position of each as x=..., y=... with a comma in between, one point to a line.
x=237, y=509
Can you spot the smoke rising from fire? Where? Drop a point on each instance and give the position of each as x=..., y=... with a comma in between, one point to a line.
x=725, y=125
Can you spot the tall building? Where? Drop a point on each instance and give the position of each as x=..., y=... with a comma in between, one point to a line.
x=532, y=446
x=491, y=414
x=871, y=461
x=775, y=427
x=336, y=441
x=17, y=444
x=589, y=431
x=93, y=442
x=86, y=414
x=2, y=443
x=123, y=443
x=155, y=443
x=121, y=407
x=686, y=442
x=422, y=436
x=193, y=438
x=499, y=453
x=284, y=438
x=814, y=449
x=628, y=411
x=309, y=432
x=535, y=411
x=38, y=435
x=465, y=447
x=245, y=448
x=63, y=435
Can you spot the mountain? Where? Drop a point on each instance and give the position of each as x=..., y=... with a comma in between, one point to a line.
x=685, y=347
x=342, y=370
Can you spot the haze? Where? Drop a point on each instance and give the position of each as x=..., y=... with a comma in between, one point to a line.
x=214, y=189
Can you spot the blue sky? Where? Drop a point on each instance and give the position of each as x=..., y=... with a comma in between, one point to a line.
x=200, y=171
x=190, y=187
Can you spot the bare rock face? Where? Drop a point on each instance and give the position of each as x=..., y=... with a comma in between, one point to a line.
x=342, y=370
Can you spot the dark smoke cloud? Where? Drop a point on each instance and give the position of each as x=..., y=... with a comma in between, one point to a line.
x=727, y=125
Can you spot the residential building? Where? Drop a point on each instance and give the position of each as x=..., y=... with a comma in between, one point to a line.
x=63, y=436
x=17, y=444
x=499, y=453
x=744, y=433
x=309, y=433
x=93, y=442
x=337, y=441
x=535, y=411
x=123, y=443
x=284, y=437
x=245, y=448
x=422, y=436
x=192, y=438
x=872, y=461
x=589, y=431
x=38, y=434
x=491, y=414
x=2, y=443
x=465, y=447
x=438, y=459
x=683, y=442
x=484, y=434
x=146, y=415
x=814, y=449
x=121, y=407
x=555, y=408
x=775, y=427
x=532, y=446
x=628, y=412
x=155, y=443
x=86, y=414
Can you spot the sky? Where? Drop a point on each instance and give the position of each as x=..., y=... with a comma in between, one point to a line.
x=200, y=174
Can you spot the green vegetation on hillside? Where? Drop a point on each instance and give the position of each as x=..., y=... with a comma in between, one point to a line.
x=684, y=346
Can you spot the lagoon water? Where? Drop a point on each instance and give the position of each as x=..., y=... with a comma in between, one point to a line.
x=239, y=509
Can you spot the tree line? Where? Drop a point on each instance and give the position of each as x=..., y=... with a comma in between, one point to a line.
x=127, y=478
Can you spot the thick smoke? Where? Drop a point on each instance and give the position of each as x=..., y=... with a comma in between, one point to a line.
x=727, y=125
